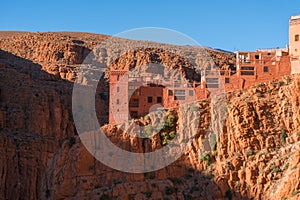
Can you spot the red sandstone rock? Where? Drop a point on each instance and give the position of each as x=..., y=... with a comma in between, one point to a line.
x=42, y=158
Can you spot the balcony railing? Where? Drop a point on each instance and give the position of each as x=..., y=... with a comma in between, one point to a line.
x=254, y=61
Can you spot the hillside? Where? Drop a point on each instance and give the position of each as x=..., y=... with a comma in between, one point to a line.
x=256, y=153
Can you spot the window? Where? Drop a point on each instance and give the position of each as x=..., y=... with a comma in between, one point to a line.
x=118, y=77
x=247, y=71
x=118, y=89
x=170, y=92
x=179, y=92
x=266, y=69
x=256, y=57
x=212, y=85
x=247, y=68
x=212, y=80
x=118, y=101
x=150, y=99
x=191, y=93
x=179, y=97
x=296, y=38
x=227, y=80
x=131, y=87
x=134, y=103
x=159, y=100
x=176, y=84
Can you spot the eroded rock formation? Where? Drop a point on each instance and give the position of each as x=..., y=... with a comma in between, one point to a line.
x=255, y=155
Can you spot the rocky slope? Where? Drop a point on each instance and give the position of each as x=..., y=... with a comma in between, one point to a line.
x=255, y=154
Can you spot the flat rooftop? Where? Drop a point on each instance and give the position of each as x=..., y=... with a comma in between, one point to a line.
x=295, y=17
x=263, y=50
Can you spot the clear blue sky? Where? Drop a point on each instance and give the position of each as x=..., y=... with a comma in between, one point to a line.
x=230, y=25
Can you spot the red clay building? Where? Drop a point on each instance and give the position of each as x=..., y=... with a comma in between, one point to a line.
x=133, y=96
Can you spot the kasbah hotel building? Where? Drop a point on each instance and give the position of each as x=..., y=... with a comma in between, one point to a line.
x=130, y=98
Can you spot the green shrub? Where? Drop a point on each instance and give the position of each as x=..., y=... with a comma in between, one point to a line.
x=295, y=192
x=259, y=85
x=194, y=108
x=280, y=83
x=249, y=152
x=283, y=136
x=251, y=157
x=206, y=157
x=165, y=141
x=148, y=130
x=172, y=134
x=147, y=118
x=167, y=137
x=170, y=122
x=160, y=127
x=164, y=138
x=237, y=154
x=269, y=91
x=213, y=141
x=258, y=94
x=275, y=169
x=288, y=79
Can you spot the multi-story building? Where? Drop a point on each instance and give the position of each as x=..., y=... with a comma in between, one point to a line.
x=133, y=96
x=294, y=40
x=259, y=66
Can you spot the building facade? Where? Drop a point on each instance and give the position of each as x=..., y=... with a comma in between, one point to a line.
x=134, y=96
x=294, y=41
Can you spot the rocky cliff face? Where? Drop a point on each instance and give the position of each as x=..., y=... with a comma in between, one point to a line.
x=256, y=156
x=255, y=153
